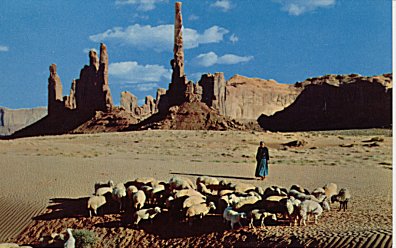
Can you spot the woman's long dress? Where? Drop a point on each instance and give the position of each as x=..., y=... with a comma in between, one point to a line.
x=262, y=158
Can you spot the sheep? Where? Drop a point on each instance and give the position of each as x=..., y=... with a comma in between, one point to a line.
x=156, y=192
x=70, y=243
x=299, y=189
x=145, y=181
x=225, y=192
x=145, y=214
x=199, y=210
x=207, y=180
x=274, y=190
x=104, y=191
x=98, y=185
x=138, y=199
x=243, y=187
x=330, y=189
x=309, y=207
x=342, y=197
x=175, y=207
x=293, y=217
x=233, y=216
x=131, y=190
x=193, y=200
x=203, y=189
x=187, y=192
x=119, y=194
x=246, y=201
x=177, y=183
x=278, y=205
x=259, y=214
x=95, y=202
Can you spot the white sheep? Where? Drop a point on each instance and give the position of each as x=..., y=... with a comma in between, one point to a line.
x=177, y=183
x=95, y=202
x=199, y=210
x=246, y=201
x=203, y=189
x=150, y=181
x=206, y=180
x=186, y=192
x=154, y=193
x=139, y=198
x=70, y=243
x=104, y=191
x=233, y=216
x=193, y=200
x=342, y=197
x=145, y=214
x=309, y=207
x=119, y=194
x=98, y=185
x=131, y=190
x=259, y=214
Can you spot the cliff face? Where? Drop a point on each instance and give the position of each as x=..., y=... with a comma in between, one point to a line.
x=336, y=102
x=12, y=120
x=248, y=98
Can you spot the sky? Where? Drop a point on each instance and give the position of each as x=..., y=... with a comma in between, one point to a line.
x=284, y=40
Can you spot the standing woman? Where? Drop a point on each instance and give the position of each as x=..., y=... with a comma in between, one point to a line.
x=262, y=158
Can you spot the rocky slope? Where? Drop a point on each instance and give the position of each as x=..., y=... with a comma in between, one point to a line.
x=336, y=102
x=12, y=120
x=189, y=116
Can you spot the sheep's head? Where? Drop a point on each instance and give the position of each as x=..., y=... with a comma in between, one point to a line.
x=212, y=205
x=157, y=209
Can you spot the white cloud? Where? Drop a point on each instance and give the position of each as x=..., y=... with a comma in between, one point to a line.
x=159, y=38
x=193, y=17
x=146, y=87
x=211, y=58
x=131, y=72
x=298, y=7
x=4, y=48
x=234, y=39
x=143, y=5
x=224, y=5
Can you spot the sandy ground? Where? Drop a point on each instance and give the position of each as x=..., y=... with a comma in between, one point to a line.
x=60, y=172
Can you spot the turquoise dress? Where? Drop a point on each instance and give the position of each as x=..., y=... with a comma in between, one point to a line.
x=262, y=158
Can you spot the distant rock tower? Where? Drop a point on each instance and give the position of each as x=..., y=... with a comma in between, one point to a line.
x=178, y=85
x=55, y=103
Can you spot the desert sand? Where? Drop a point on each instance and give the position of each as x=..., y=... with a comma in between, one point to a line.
x=45, y=182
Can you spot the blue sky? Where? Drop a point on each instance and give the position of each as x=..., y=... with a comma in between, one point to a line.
x=285, y=40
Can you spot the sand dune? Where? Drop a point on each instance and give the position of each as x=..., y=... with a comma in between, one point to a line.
x=60, y=171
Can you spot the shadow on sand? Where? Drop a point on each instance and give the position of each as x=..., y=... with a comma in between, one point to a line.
x=220, y=176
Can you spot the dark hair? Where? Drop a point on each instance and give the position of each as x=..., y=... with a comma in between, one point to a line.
x=261, y=142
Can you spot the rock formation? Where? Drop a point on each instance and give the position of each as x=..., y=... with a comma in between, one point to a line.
x=92, y=90
x=248, y=98
x=88, y=94
x=130, y=103
x=12, y=120
x=176, y=94
x=213, y=91
x=55, y=99
x=336, y=102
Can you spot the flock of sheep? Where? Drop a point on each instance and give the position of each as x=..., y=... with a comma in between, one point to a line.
x=182, y=200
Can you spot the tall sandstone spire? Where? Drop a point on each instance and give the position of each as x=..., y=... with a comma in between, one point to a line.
x=103, y=76
x=178, y=85
x=54, y=91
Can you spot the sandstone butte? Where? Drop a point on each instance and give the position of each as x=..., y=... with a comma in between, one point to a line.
x=328, y=102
